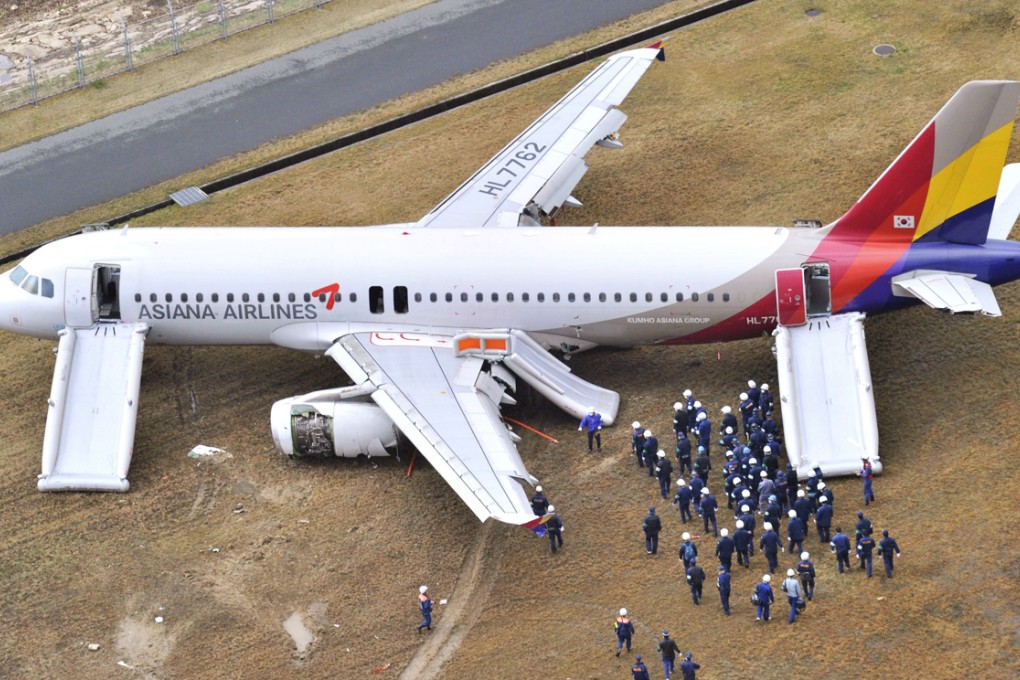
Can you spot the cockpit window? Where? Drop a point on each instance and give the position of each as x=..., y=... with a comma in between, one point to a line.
x=31, y=284
x=18, y=275
x=47, y=288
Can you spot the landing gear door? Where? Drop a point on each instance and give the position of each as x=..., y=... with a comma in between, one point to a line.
x=80, y=309
x=791, y=298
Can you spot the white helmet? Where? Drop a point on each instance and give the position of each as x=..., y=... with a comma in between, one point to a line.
x=767, y=449
x=740, y=524
x=702, y=415
x=538, y=488
x=729, y=430
x=746, y=493
x=736, y=481
x=681, y=482
x=752, y=384
x=724, y=532
x=725, y=409
x=745, y=508
x=423, y=590
x=790, y=572
x=704, y=489
x=661, y=454
x=552, y=509
x=804, y=555
x=697, y=404
x=686, y=536
x=765, y=387
x=677, y=406
x=623, y=612
x=768, y=526
x=688, y=393
x=743, y=396
x=764, y=474
x=635, y=425
x=766, y=578
x=648, y=433
x=823, y=499
x=753, y=461
x=821, y=485
x=800, y=493
x=591, y=410
x=792, y=513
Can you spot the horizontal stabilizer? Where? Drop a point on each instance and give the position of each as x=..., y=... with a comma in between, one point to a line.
x=948, y=290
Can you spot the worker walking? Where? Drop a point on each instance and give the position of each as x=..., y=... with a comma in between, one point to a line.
x=696, y=580
x=886, y=548
x=682, y=500
x=795, y=530
x=806, y=570
x=708, y=508
x=724, y=549
x=592, y=421
x=742, y=540
x=771, y=544
x=651, y=448
x=864, y=548
x=823, y=519
x=764, y=597
x=637, y=442
x=722, y=583
x=688, y=667
x=669, y=649
x=688, y=551
x=652, y=526
x=868, y=475
x=639, y=670
x=554, y=527
x=840, y=545
x=664, y=471
x=425, y=605
x=791, y=586
x=624, y=628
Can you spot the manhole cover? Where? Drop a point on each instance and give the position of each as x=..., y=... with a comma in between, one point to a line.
x=884, y=50
x=813, y=12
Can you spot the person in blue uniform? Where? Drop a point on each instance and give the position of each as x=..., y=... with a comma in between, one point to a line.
x=704, y=432
x=804, y=506
x=840, y=544
x=863, y=526
x=806, y=571
x=887, y=547
x=679, y=418
x=696, y=580
x=796, y=532
x=593, y=422
x=865, y=546
x=689, y=668
x=682, y=500
x=724, y=548
x=746, y=408
x=683, y=453
x=703, y=464
x=823, y=518
x=650, y=451
x=652, y=526
x=771, y=544
x=554, y=528
x=637, y=442
x=765, y=400
x=688, y=551
x=664, y=473
x=729, y=420
x=868, y=476
x=425, y=606
x=624, y=628
x=639, y=670
x=753, y=392
x=539, y=503
x=742, y=540
x=765, y=597
x=669, y=649
x=722, y=583
x=708, y=508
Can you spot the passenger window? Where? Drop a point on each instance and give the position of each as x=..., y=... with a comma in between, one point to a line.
x=276, y=297
x=711, y=297
x=587, y=297
x=694, y=297
x=417, y=297
x=433, y=297
x=633, y=297
x=353, y=297
x=400, y=299
x=725, y=297
x=540, y=297
x=337, y=297
x=463, y=297
x=184, y=297
x=525, y=297
x=199, y=297
x=509, y=297
x=138, y=297
x=572, y=298
x=375, y=299
x=648, y=297
x=230, y=297
x=679, y=297
x=664, y=298
x=152, y=297
x=479, y=297
x=556, y=297
x=261, y=297
x=602, y=297
x=449, y=297
x=308, y=297
x=215, y=297
x=618, y=297
x=168, y=297
x=495, y=297
x=47, y=288
x=292, y=297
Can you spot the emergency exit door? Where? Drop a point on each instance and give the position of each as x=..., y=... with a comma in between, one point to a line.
x=791, y=297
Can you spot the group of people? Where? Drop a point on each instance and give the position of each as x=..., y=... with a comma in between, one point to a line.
x=668, y=649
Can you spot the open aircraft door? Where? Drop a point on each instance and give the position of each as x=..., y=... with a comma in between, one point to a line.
x=81, y=308
x=791, y=297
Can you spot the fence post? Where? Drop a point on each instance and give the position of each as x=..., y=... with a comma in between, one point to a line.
x=78, y=60
x=127, y=45
x=269, y=8
x=223, y=18
x=173, y=27
x=31, y=79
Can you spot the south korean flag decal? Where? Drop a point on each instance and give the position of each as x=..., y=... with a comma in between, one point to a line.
x=903, y=221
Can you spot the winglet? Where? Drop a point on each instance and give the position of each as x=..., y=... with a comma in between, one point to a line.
x=658, y=45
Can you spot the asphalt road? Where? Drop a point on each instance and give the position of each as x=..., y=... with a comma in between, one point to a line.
x=173, y=135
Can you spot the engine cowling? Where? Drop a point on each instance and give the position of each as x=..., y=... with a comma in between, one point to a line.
x=324, y=428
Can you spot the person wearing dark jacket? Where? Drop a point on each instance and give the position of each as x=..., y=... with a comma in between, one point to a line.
x=554, y=527
x=689, y=668
x=886, y=548
x=806, y=570
x=796, y=531
x=823, y=520
x=669, y=649
x=539, y=503
x=639, y=670
x=840, y=545
x=664, y=472
x=651, y=449
x=708, y=507
x=864, y=548
x=682, y=500
x=683, y=453
x=742, y=544
x=696, y=580
x=652, y=526
x=724, y=549
x=688, y=551
x=765, y=597
x=722, y=582
x=624, y=631
x=771, y=544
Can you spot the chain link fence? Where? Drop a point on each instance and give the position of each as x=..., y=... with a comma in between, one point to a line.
x=91, y=52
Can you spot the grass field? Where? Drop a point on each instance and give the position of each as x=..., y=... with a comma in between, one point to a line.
x=758, y=117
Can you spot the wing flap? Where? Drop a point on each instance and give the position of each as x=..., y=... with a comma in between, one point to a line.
x=951, y=291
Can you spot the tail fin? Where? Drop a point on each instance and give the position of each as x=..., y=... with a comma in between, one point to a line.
x=943, y=186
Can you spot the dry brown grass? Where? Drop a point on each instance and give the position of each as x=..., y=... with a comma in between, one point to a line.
x=758, y=117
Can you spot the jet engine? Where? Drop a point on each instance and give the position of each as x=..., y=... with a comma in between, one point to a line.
x=321, y=428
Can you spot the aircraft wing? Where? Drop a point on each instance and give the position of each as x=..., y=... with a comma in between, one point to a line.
x=948, y=290
x=448, y=406
x=535, y=173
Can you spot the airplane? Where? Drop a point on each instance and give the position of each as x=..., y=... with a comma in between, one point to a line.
x=480, y=292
